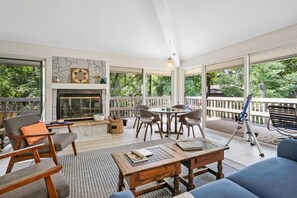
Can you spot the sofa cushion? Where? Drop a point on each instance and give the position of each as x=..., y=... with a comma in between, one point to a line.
x=287, y=149
x=122, y=194
x=222, y=188
x=274, y=177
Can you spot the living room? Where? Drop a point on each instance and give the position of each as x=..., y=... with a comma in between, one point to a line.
x=92, y=41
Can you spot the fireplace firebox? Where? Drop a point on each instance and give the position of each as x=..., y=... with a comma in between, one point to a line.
x=77, y=104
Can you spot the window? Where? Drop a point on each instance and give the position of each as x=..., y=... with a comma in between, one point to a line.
x=158, y=85
x=274, y=74
x=21, y=85
x=125, y=81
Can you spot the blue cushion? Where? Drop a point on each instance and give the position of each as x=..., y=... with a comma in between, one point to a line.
x=122, y=194
x=287, y=149
x=272, y=178
x=222, y=188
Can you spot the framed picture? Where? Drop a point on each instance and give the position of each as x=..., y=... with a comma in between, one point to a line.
x=79, y=75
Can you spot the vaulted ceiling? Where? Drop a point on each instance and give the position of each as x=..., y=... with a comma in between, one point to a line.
x=143, y=28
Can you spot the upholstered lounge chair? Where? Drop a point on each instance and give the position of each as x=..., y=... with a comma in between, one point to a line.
x=53, y=142
x=42, y=180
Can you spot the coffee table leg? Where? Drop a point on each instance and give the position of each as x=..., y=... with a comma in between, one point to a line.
x=190, y=180
x=121, y=182
x=220, y=173
x=176, y=185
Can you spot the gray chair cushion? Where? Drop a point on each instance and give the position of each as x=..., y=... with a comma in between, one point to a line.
x=60, y=140
x=37, y=188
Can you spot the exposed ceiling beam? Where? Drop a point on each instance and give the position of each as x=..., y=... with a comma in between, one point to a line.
x=163, y=13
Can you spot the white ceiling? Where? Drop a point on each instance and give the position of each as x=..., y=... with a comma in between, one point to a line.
x=136, y=27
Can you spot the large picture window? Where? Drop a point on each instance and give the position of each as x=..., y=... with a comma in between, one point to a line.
x=21, y=85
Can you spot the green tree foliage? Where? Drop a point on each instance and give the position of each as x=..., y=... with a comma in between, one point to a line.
x=129, y=84
x=229, y=81
x=193, y=85
x=19, y=81
x=278, y=78
x=125, y=84
x=275, y=79
x=158, y=85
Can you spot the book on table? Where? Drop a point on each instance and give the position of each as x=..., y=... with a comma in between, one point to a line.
x=142, y=152
x=190, y=145
x=134, y=158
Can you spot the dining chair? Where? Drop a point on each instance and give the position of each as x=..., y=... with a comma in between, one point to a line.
x=178, y=106
x=148, y=118
x=135, y=113
x=26, y=130
x=190, y=120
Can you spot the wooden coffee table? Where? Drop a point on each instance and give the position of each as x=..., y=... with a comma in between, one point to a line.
x=212, y=152
x=164, y=163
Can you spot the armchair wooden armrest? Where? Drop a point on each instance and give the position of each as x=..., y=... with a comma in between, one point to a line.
x=20, y=151
x=27, y=136
x=19, y=139
x=46, y=173
x=39, y=134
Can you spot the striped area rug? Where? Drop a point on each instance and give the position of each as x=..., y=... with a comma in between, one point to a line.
x=94, y=174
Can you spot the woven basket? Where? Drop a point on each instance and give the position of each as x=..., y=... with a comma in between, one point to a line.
x=116, y=125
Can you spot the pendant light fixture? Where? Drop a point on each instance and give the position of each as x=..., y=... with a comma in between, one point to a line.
x=170, y=62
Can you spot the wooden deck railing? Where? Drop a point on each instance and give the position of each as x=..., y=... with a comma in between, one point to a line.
x=222, y=107
x=123, y=105
x=20, y=105
x=228, y=107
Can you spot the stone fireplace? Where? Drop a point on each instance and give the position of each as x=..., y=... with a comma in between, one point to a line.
x=78, y=104
x=77, y=100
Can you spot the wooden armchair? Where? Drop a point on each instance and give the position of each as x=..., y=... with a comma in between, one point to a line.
x=53, y=142
x=43, y=179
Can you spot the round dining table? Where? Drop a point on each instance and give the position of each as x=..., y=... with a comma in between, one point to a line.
x=168, y=112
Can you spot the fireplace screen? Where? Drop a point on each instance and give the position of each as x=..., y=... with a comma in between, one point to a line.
x=78, y=104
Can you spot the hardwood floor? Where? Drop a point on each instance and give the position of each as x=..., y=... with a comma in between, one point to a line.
x=241, y=153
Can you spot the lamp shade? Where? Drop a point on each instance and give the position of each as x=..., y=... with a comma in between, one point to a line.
x=170, y=62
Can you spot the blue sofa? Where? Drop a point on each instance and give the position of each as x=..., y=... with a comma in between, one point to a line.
x=272, y=178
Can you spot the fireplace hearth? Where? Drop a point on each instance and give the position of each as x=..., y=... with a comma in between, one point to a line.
x=78, y=104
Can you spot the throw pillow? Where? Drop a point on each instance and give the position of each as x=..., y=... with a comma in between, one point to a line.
x=37, y=128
